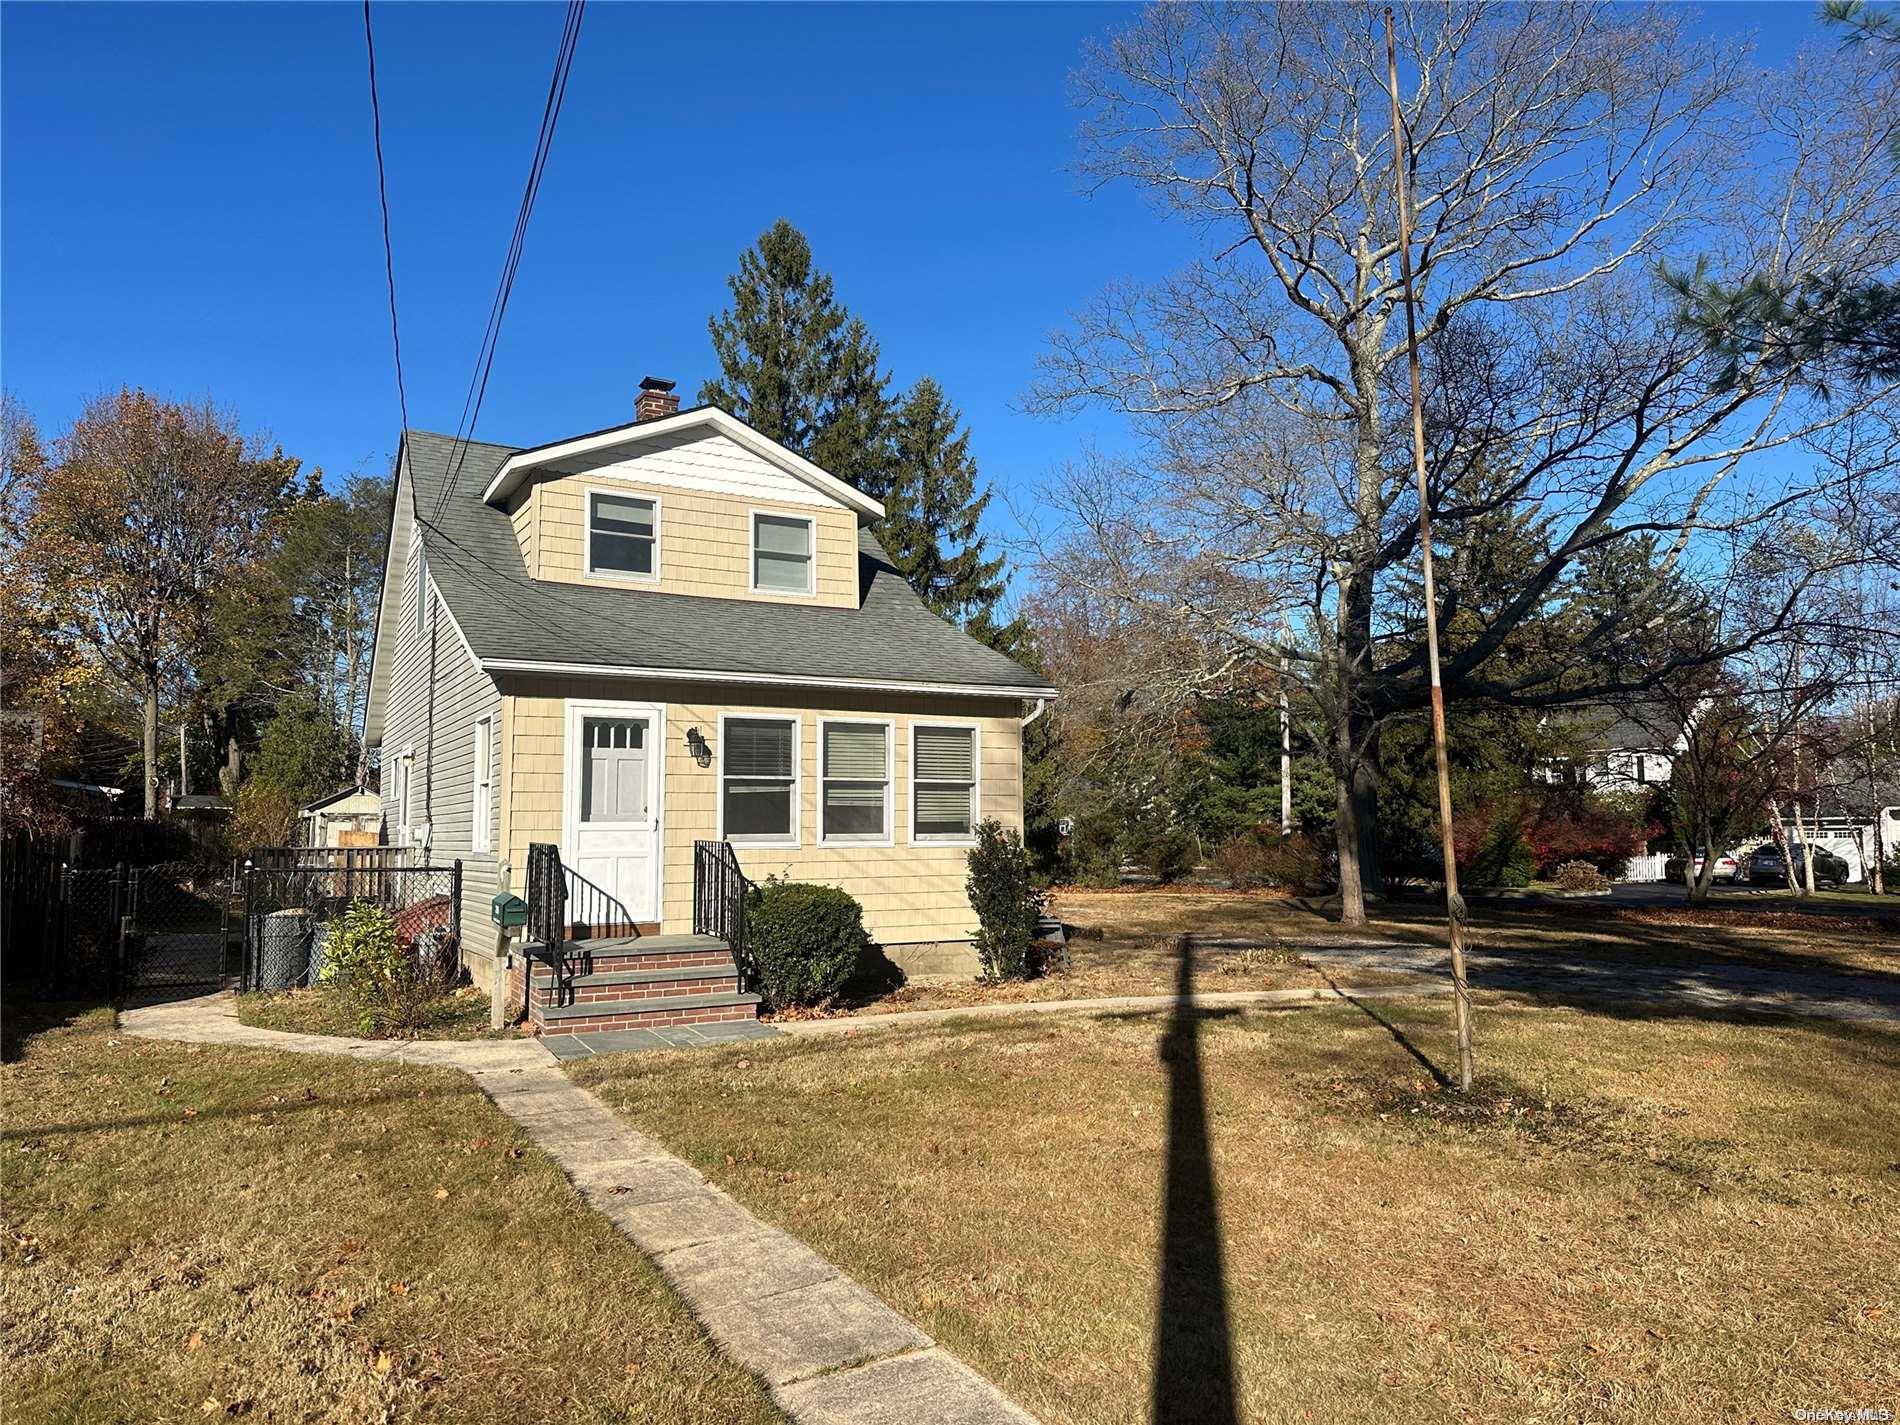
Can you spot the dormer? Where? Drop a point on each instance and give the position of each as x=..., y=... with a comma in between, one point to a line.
x=685, y=502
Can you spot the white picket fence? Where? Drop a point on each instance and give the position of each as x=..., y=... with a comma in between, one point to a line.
x=1647, y=867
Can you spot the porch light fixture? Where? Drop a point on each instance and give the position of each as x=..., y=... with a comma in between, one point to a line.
x=696, y=744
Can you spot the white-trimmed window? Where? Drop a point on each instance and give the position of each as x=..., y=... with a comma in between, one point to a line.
x=623, y=535
x=483, y=798
x=401, y=797
x=943, y=782
x=854, y=800
x=422, y=587
x=782, y=553
x=758, y=780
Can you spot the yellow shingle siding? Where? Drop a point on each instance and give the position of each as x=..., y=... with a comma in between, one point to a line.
x=911, y=893
x=705, y=541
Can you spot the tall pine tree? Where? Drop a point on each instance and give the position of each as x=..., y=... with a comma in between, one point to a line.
x=932, y=512
x=796, y=366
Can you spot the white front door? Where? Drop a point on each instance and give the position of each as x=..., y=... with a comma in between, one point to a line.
x=611, y=814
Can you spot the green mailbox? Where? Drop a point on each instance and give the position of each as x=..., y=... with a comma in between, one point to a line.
x=506, y=909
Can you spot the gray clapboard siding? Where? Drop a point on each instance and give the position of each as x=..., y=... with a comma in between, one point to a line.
x=440, y=742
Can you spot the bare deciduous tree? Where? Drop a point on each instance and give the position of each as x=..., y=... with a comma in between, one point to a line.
x=1560, y=156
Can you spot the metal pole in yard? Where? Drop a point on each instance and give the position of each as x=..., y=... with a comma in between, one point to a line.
x=1454, y=902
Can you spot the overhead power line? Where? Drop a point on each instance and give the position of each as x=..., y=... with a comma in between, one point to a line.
x=382, y=190
x=491, y=335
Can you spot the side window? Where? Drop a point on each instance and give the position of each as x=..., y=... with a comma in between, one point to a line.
x=623, y=536
x=422, y=587
x=781, y=554
x=943, y=793
x=484, y=793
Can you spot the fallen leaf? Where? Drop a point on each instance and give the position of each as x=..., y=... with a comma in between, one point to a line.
x=441, y=1193
x=383, y=1364
x=731, y=1161
x=197, y=1340
x=210, y=1407
x=399, y=1289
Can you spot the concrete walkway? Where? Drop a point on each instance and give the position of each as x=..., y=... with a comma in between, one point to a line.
x=830, y=1352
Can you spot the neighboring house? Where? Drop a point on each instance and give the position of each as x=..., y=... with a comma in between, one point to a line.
x=352, y=816
x=1626, y=747
x=671, y=631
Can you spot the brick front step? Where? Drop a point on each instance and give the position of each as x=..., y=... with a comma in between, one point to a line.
x=662, y=984
x=657, y=1013
x=657, y=952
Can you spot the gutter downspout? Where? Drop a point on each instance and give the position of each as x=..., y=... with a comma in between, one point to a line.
x=1042, y=706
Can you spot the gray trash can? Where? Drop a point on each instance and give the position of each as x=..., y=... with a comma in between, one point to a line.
x=319, y=951
x=283, y=949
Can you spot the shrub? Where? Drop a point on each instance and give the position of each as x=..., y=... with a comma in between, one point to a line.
x=1244, y=861
x=1005, y=901
x=806, y=939
x=1094, y=851
x=1302, y=863
x=1504, y=858
x=1170, y=854
x=391, y=984
x=1581, y=876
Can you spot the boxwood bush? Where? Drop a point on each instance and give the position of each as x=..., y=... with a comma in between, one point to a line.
x=1005, y=901
x=807, y=941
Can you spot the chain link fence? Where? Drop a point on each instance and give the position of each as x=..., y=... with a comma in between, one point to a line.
x=290, y=910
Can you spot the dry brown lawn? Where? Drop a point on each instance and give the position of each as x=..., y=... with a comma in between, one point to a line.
x=190, y=1234
x=1658, y=1219
x=460, y=1014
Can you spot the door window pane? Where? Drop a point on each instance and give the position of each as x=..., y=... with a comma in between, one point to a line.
x=613, y=769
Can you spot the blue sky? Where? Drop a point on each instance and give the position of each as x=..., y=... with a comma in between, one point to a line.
x=190, y=204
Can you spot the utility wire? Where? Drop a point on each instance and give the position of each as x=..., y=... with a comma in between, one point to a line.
x=491, y=335
x=382, y=190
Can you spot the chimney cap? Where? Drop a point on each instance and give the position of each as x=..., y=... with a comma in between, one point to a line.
x=656, y=383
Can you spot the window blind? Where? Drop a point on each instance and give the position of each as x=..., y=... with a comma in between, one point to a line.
x=855, y=750
x=945, y=754
x=758, y=749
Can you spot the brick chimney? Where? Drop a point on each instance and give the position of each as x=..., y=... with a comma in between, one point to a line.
x=656, y=399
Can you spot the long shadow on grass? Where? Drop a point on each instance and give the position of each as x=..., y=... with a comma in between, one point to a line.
x=1399, y=1036
x=1193, y=1353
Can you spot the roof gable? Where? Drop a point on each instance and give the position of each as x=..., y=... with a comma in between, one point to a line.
x=791, y=471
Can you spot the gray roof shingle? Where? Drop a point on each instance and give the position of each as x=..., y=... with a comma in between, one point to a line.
x=890, y=637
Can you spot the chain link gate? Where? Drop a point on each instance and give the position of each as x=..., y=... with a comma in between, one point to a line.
x=179, y=928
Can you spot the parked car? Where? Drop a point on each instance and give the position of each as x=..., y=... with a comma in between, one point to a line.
x=1765, y=866
x=1726, y=867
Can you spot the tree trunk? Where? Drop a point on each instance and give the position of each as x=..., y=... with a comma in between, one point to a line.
x=1780, y=833
x=149, y=744
x=1807, y=853
x=1874, y=873
x=233, y=762
x=1352, y=900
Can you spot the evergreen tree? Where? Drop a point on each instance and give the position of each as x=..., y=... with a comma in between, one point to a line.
x=932, y=512
x=795, y=365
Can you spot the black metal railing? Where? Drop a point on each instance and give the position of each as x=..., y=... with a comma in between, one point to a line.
x=547, y=938
x=289, y=907
x=719, y=898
